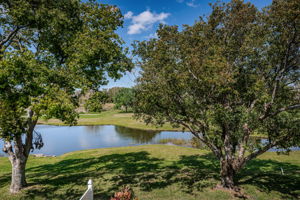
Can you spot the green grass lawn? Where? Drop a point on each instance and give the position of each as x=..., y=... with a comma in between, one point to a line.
x=154, y=172
x=111, y=117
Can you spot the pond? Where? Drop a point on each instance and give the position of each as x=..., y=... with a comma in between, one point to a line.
x=63, y=139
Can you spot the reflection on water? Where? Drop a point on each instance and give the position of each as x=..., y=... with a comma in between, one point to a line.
x=138, y=136
x=62, y=139
x=93, y=129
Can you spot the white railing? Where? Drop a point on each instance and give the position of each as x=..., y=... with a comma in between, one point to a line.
x=88, y=195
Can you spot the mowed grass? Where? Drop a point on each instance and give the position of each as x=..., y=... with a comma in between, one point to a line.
x=111, y=117
x=155, y=172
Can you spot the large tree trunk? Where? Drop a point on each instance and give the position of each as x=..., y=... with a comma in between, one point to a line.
x=18, y=179
x=18, y=155
x=227, y=174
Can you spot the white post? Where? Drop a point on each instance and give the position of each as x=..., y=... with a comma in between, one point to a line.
x=89, y=194
x=282, y=173
x=90, y=184
x=90, y=189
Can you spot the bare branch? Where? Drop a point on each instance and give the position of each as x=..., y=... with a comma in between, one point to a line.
x=264, y=149
x=203, y=139
x=198, y=135
x=258, y=152
x=253, y=104
x=10, y=36
x=194, y=76
x=29, y=133
x=281, y=69
x=292, y=107
x=242, y=145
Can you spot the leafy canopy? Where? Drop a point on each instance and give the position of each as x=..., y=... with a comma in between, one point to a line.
x=226, y=78
x=124, y=97
x=95, y=102
x=48, y=49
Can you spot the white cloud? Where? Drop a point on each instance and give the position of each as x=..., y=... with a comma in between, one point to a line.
x=128, y=15
x=144, y=21
x=191, y=3
x=136, y=28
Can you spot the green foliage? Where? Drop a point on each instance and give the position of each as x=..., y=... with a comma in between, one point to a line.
x=95, y=102
x=112, y=92
x=49, y=49
x=124, y=97
x=226, y=78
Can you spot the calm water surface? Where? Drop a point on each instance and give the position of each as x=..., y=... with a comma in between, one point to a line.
x=63, y=139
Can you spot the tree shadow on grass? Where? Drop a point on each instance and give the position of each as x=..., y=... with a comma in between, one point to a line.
x=67, y=178
x=75, y=172
x=5, y=179
x=266, y=176
x=113, y=171
x=197, y=172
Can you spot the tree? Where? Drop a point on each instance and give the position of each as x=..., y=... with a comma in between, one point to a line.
x=112, y=92
x=94, y=103
x=125, y=98
x=48, y=50
x=225, y=79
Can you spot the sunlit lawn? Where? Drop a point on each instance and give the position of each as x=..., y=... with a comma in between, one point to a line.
x=154, y=172
x=111, y=117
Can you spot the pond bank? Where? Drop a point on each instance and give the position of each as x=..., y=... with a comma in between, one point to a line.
x=117, y=118
x=111, y=117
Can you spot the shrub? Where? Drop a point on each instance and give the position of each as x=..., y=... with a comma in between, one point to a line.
x=126, y=193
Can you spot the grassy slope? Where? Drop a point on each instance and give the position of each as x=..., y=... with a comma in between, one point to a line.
x=154, y=171
x=111, y=117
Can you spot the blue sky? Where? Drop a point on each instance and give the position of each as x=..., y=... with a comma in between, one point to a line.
x=143, y=16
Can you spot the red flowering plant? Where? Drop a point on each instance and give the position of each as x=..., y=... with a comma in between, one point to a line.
x=126, y=193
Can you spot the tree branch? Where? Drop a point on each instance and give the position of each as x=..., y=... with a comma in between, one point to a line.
x=203, y=139
x=7, y=148
x=29, y=132
x=257, y=153
x=242, y=145
x=253, y=104
x=281, y=69
x=263, y=150
x=10, y=36
x=292, y=107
